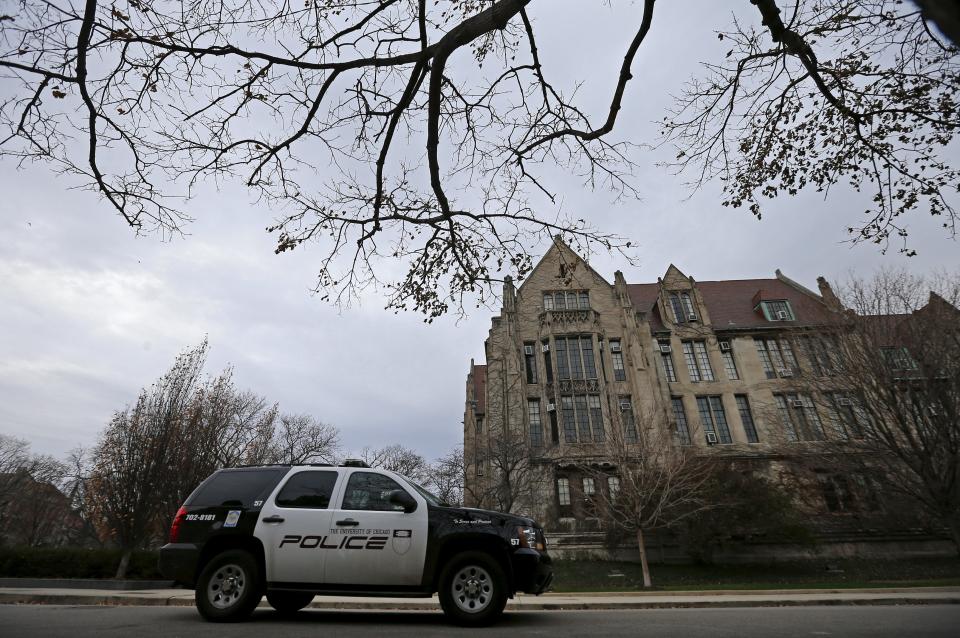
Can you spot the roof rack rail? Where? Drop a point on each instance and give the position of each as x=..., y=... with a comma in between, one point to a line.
x=354, y=463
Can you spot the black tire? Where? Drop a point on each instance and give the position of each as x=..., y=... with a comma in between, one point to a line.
x=289, y=602
x=229, y=587
x=473, y=589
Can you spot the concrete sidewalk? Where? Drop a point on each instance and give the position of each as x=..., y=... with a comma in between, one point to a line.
x=578, y=601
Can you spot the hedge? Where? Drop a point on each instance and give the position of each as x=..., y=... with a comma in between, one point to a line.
x=37, y=562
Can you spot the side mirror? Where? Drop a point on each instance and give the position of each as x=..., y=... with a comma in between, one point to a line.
x=404, y=500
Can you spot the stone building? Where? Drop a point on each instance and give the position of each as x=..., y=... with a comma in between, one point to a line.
x=572, y=358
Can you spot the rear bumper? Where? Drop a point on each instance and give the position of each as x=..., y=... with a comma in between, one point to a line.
x=532, y=571
x=178, y=561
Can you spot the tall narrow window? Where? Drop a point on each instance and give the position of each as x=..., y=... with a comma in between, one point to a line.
x=765, y=359
x=690, y=313
x=629, y=423
x=563, y=363
x=548, y=301
x=714, y=419
x=554, y=427
x=536, y=425
x=680, y=416
x=677, y=307
x=569, y=423
x=613, y=487
x=547, y=362
x=619, y=372
x=666, y=357
x=596, y=417
x=563, y=491
x=820, y=354
x=698, y=362
x=530, y=360
x=746, y=418
x=589, y=363
x=848, y=416
x=589, y=487
x=583, y=417
x=729, y=365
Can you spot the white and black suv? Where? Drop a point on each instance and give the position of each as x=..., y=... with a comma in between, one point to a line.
x=293, y=532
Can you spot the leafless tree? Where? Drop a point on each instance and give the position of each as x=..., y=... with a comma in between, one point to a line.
x=372, y=133
x=660, y=482
x=892, y=390
x=447, y=476
x=515, y=479
x=300, y=438
x=34, y=510
x=400, y=459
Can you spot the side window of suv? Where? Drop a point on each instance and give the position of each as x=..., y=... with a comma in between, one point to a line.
x=369, y=491
x=308, y=490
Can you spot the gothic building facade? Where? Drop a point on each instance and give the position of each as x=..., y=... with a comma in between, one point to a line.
x=573, y=358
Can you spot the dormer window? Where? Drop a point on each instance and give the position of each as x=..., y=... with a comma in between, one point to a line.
x=682, y=306
x=566, y=300
x=778, y=310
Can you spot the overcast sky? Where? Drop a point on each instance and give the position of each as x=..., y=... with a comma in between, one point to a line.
x=89, y=313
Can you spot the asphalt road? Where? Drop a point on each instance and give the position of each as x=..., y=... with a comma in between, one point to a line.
x=923, y=621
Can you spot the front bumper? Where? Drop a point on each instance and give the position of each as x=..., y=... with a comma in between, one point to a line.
x=532, y=571
x=178, y=561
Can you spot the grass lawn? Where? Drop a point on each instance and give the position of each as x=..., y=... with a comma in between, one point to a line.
x=582, y=576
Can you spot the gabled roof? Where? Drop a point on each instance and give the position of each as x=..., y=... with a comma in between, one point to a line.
x=732, y=303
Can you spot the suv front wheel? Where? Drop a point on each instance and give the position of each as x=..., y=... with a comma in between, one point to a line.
x=473, y=589
x=228, y=589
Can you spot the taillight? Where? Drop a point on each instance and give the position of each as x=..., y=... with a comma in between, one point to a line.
x=175, y=526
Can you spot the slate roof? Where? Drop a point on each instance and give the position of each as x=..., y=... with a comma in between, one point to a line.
x=730, y=304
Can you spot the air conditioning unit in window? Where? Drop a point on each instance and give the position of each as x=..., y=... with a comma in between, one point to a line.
x=844, y=402
x=614, y=346
x=796, y=403
x=711, y=438
x=665, y=348
x=551, y=406
x=528, y=350
x=724, y=346
x=625, y=405
x=785, y=372
x=545, y=347
x=692, y=316
x=783, y=315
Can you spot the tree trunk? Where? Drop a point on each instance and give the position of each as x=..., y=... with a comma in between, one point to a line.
x=955, y=535
x=124, y=563
x=644, y=565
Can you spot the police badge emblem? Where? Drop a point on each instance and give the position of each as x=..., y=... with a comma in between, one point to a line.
x=402, y=540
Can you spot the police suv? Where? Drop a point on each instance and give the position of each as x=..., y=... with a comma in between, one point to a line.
x=294, y=532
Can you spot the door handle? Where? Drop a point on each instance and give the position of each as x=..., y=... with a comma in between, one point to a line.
x=273, y=519
x=348, y=522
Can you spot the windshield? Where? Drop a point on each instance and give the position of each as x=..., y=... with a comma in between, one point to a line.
x=431, y=499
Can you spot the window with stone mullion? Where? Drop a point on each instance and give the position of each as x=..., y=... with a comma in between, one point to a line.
x=536, y=425
x=563, y=364
x=691, y=360
x=583, y=418
x=569, y=422
x=765, y=360
x=746, y=417
x=596, y=418
x=703, y=360
x=680, y=416
x=729, y=365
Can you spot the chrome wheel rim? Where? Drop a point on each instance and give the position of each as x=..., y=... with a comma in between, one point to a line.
x=472, y=589
x=226, y=586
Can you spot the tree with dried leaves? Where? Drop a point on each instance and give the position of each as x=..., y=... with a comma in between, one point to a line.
x=181, y=430
x=372, y=133
x=891, y=391
x=660, y=483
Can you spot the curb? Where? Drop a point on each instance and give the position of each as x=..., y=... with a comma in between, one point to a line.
x=185, y=601
x=84, y=583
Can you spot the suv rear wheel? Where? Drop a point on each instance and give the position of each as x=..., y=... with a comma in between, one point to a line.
x=228, y=589
x=289, y=602
x=473, y=589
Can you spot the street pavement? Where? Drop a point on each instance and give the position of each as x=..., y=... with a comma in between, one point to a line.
x=849, y=621
x=583, y=601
